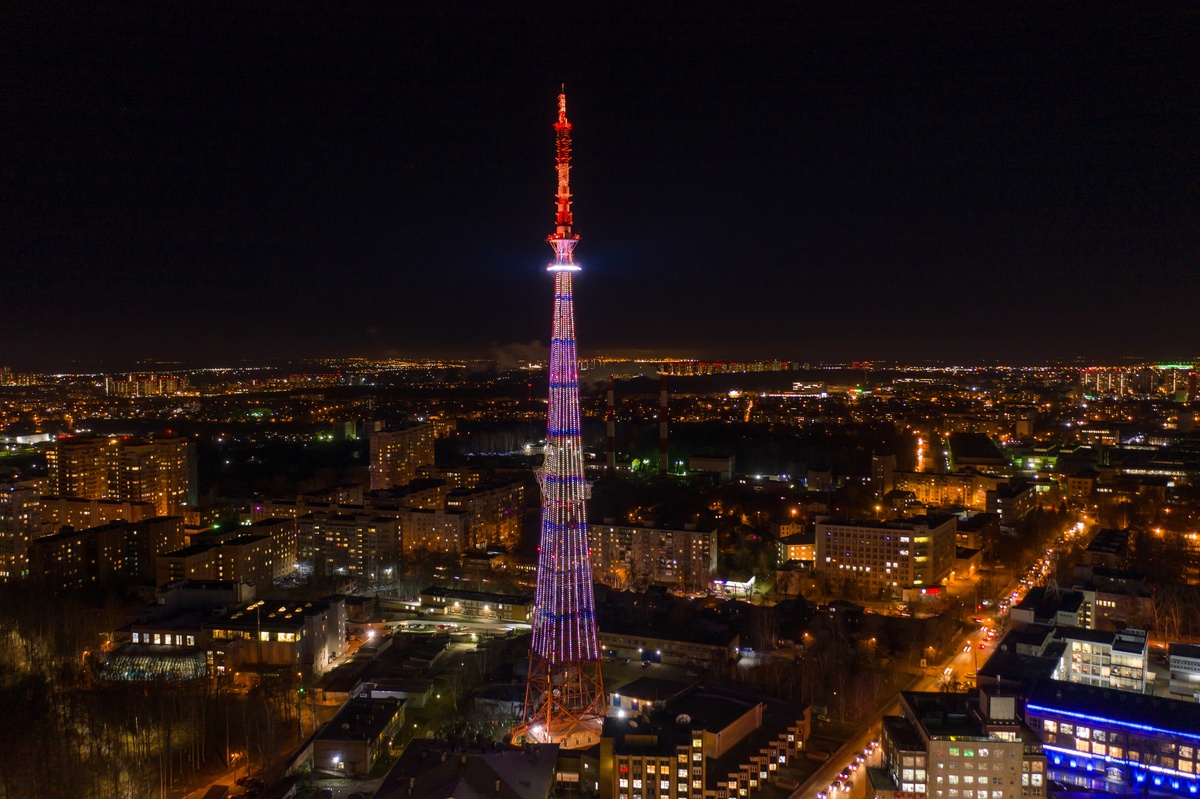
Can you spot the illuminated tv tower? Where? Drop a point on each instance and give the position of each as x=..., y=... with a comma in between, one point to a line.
x=564, y=698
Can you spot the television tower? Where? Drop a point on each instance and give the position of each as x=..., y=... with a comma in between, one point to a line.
x=564, y=697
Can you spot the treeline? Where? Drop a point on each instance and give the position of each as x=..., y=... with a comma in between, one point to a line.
x=73, y=736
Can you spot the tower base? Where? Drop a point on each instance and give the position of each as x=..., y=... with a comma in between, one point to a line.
x=564, y=703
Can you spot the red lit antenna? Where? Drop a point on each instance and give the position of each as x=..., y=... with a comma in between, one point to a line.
x=563, y=240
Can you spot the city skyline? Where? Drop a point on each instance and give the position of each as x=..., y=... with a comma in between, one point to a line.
x=802, y=184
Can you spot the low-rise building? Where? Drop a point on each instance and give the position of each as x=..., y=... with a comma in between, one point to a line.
x=1095, y=657
x=478, y=604
x=1052, y=607
x=1108, y=549
x=272, y=634
x=691, y=647
x=1184, y=661
x=959, y=746
x=702, y=744
x=801, y=547
x=361, y=732
x=1102, y=739
x=431, y=769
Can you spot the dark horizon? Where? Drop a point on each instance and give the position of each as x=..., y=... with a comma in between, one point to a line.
x=811, y=184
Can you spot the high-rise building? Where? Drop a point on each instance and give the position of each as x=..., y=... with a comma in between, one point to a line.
x=564, y=699
x=160, y=470
x=397, y=454
x=20, y=523
x=80, y=467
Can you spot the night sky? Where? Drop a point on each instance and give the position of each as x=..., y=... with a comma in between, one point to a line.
x=210, y=184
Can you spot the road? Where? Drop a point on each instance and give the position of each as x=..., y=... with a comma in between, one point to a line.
x=960, y=663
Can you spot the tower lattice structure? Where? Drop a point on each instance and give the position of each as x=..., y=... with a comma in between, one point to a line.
x=564, y=697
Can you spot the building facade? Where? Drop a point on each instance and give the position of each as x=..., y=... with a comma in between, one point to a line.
x=397, y=454
x=886, y=557
x=959, y=746
x=1113, y=741
x=160, y=471
x=20, y=523
x=626, y=556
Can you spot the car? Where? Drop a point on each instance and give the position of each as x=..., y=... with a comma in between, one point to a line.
x=844, y=774
x=983, y=644
x=822, y=794
x=645, y=664
x=967, y=648
x=854, y=764
x=859, y=759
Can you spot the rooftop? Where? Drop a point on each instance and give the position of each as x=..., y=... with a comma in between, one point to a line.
x=361, y=719
x=1109, y=542
x=476, y=596
x=1115, y=707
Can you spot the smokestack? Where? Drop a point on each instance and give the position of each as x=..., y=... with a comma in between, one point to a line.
x=662, y=426
x=610, y=417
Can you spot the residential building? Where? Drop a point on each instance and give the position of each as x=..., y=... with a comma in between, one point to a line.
x=965, y=489
x=680, y=557
x=1102, y=739
x=398, y=453
x=433, y=532
x=116, y=551
x=79, y=466
x=883, y=474
x=159, y=470
x=801, y=547
x=978, y=531
x=80, y=514
x=1012, y=501
x=1081, y=485
x=20, y=523
x=883, y=557
x=493, y=510
x=257, y=554
x=362, y=545
x=959, y=746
